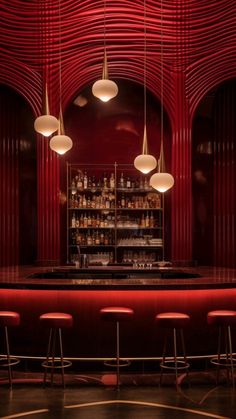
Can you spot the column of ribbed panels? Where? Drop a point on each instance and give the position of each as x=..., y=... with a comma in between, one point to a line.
x=9, y=190
x=224, y=178
x=181, y=246
x=48, y=204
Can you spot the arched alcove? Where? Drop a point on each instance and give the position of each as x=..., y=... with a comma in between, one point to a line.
x=18, y=182
x=214, y=174
x=105, y=133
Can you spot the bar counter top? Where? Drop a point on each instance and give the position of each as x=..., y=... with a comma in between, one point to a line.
x=116, y=277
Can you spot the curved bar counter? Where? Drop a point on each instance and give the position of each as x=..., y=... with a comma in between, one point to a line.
x=82, y=293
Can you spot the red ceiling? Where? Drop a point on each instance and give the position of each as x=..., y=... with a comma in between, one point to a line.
x=199, y=43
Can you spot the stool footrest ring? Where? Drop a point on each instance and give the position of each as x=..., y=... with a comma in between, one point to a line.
x=179, y=365
x=223, y=361
x=4, y=361
x=122, y=363
x=56, y=364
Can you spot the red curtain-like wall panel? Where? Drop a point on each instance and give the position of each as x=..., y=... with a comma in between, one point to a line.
x=9, y=188
x=225, y=177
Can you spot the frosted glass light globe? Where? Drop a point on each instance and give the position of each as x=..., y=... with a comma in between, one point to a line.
x=145, y=163
x=61, y=144
x=46, y=125
x=162, y=181
x=104, y=89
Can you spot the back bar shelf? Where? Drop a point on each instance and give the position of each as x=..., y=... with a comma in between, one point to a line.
x=113, y=215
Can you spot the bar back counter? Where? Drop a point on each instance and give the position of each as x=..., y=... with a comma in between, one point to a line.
x=82, y=293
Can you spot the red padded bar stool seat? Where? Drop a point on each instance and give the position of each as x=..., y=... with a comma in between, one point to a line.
x=117, y=315
x=175, y=323
x=224, y=320
x=55, y=322
x=221, y=317
x=170, y=320
x=8, y=319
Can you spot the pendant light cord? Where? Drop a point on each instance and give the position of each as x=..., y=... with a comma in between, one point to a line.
x=145, y=65
x=61, y=124
x=59, y=48
x=145, y=145
x=105, y=68
x=162, y=160
x=104, y=24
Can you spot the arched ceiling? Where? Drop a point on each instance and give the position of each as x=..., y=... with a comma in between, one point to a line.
x=36, y=34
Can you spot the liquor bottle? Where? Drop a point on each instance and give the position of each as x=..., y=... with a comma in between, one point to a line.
x=79, y=182
x=98, y=221
x=81, y=221
x=93, y=186
x=128, y=183
x=89, y=202
x=73, y=187
x=85, y=180
x=85, y=221
x=84, y=202
x=97, y=239
x=142, y=224
x=112, y=181
x=122, y=201
x=151, y=223
x=122, y=181
x=102, y=238
x=89, y=239
x=89, y=220
x=147, y=221
x=105, y=183
x=73, y=221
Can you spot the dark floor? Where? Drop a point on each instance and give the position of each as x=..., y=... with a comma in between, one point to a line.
x=91, y=396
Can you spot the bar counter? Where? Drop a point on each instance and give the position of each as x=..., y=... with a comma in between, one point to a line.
x=147, y=292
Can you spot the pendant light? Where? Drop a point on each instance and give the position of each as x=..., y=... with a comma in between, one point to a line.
x=104, y=89
x=46, y=124
x=145, y=162
x=60, y=143
x=162, y=181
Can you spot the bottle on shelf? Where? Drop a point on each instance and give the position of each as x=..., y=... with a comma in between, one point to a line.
x=122, y=181
x=73, y=220
x=128, y=183
x=79, y=182
x=112, y=181
x=151, y=221
x=85, y=180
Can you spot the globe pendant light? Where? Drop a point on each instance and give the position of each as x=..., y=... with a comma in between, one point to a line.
x=104, y=89
x=61, y=143
x=46, y=124
x=161, y=181
x=145, y=162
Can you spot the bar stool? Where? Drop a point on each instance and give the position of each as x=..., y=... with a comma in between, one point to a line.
x=223, y=319
x=8, y=319
x=117, y=315
x=55, y=322
x=173, y=322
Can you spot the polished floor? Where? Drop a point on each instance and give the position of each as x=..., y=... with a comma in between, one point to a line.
x=91, y=396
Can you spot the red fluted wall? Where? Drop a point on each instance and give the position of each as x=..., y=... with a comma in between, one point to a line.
x=224, y=152
x=195, y=44
x=9, y=189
